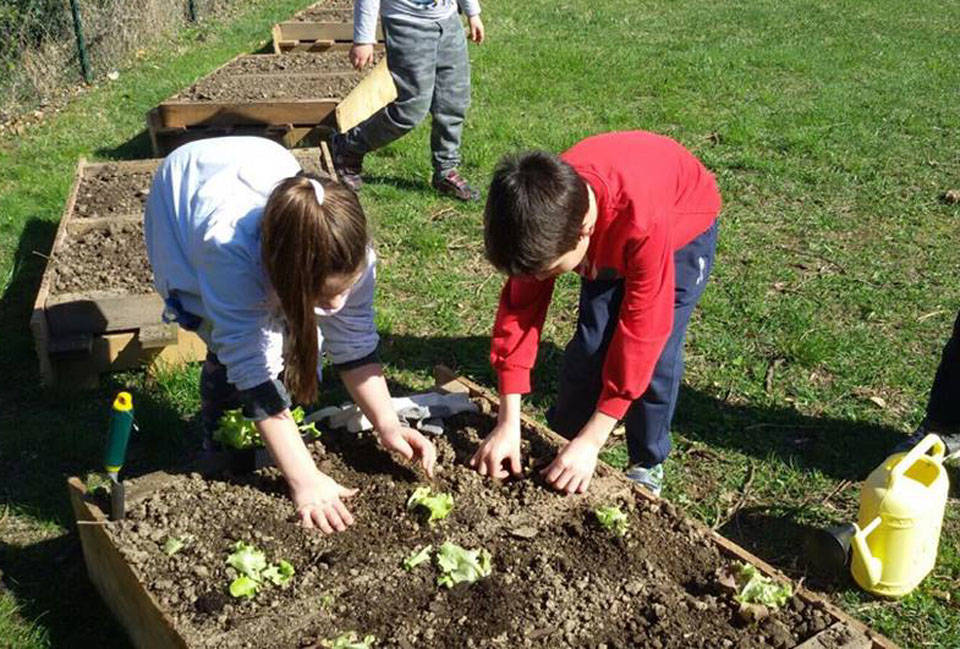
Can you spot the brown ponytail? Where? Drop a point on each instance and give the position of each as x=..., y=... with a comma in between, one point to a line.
x=303, y=243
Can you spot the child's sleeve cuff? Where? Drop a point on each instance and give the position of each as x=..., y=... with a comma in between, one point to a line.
x=612, y=406
x=514, y=381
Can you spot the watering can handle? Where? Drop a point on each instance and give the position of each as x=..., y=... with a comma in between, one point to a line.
x=873, y=566
x=931, y=441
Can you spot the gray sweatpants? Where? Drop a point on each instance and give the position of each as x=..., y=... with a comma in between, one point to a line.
x=430, y=67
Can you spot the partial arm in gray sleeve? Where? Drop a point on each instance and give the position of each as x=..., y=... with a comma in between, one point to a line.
x=350, y=335
x=469, y=7
x=365, y=14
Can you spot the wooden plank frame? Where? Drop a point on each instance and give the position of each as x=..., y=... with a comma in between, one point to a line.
x=448, y=380
x=150, y=627
x=303, y=36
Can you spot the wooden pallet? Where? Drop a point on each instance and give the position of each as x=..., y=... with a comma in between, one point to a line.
x=292, y=122
x=79, y=336
x=311, y=35
x=148, y=624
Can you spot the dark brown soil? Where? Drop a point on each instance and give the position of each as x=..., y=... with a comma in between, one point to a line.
x=326, y=5
x=113, y=257
x=112, y=191
x=307, y=62
x=558, y=580
x=324, y=15
x=237, y=88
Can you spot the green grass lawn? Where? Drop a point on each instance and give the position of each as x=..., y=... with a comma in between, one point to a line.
x=832, y=128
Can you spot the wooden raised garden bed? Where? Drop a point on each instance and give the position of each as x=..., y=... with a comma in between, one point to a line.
x=289, y=98
x=327, y=25
x=96, y=308
x=557, y=580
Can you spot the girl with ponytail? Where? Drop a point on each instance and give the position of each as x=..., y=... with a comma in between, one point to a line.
x=269, y=265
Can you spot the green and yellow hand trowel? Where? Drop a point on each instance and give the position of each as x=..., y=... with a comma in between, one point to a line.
x=121, y=423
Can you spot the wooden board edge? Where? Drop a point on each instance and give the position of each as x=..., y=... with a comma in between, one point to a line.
x=39, y=326
x=443, y=374
x=183, y=114
x=133, y=605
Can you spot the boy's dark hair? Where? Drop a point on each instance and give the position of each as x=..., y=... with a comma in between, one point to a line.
x=535, y=208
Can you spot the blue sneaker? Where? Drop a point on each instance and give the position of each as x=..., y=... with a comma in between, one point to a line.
x=949, y=434
x=650, y=477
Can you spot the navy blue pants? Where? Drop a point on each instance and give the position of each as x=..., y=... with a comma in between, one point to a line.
x=581, y=378
x=944, y=405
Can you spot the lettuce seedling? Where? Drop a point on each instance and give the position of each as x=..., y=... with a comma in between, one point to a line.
x=458, y=565
x=350, y=640
x=757, y=588
x=251, y=563
x=243, y=586
x=279, y=574
x=173, y=545
x=247, y=560
x=611, y=518
x=237, y=432
x=437, y=505
x=417, y=558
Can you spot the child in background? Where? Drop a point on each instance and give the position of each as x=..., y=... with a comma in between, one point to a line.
x=634, y=214
x=427, y=57
x=267, y=264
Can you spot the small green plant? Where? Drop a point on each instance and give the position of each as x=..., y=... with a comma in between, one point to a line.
x=235, y=431
x=251, y=563
x=418, y=557
x=756, y=588
x=458, y=565
x=326, y=601
x=172, y=545
x=350, y=640
x=96, y=482
x=436, y=505
x=611, y=518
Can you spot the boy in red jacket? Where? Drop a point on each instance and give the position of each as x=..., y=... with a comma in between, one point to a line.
x=634, y=214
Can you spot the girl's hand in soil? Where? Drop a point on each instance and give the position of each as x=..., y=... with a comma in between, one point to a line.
x=361, y=55
x=572, y=469
x=411, y=445
x=319, y=504
x=477, y=33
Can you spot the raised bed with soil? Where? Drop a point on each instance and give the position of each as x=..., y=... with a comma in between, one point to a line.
x=112, y=190
x=104, y=258
x=323, y=14
x=230, y=88
x=558, y=579
x=306, y=62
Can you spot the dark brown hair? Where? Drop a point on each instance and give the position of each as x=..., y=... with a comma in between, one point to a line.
x=535, y=209
x=302, y=244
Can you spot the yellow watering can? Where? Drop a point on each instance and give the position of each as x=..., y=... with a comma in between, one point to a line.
x=901, y=513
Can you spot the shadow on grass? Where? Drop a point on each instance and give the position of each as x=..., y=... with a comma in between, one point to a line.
x=136, y=148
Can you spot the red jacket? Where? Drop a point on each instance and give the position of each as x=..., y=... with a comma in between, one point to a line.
x=653, y=197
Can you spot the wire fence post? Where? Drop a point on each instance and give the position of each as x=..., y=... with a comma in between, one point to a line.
x=192, y=10
x=81, y=44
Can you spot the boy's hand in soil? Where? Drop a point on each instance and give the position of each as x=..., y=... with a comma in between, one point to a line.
x=572, y=470
x=319, y=504
x=477, y=33
x=411, y=445
x=499, y=454
x=361, y=54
